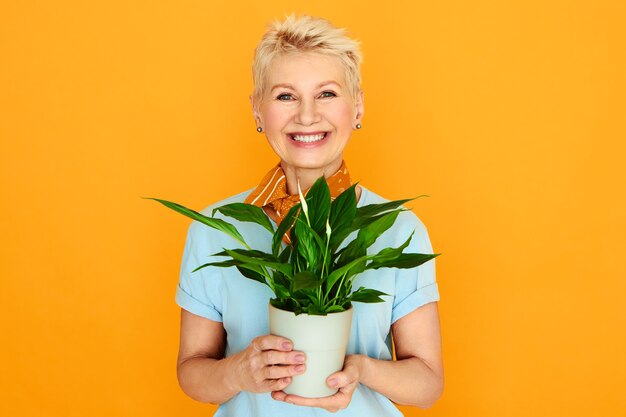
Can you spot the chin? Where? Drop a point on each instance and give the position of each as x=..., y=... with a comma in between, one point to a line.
x=310, y=163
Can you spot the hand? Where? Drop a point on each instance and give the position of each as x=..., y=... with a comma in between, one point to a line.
x=267, y=365
x=345, y=380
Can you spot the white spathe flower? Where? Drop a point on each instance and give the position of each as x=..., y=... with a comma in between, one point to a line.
x=303, y=202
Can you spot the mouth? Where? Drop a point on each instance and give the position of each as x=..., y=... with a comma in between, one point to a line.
x=308, y=137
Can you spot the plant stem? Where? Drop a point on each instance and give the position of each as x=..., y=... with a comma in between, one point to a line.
x=322, y=273
x=330, y=302
x=269, y=279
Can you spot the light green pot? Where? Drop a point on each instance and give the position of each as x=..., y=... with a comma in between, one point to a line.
x=322, y=338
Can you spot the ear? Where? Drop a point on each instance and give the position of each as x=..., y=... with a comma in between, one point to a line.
x=360, y=108
x=255, y=111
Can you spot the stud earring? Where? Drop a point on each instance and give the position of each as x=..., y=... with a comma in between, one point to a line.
x=259, y=129
x=358, y=125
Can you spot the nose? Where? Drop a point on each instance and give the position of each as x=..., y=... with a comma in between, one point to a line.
x=307, y=113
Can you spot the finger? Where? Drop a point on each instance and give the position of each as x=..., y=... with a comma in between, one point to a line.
x=343, y=378
x=345, y=387
x=272, y=342
x=277, y=385
x=275, y=357
x=279, y=395
x=338, y=380
x=332, y=403
x=277, y=372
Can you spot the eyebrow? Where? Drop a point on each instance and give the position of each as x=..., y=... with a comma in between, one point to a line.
x=323, y=83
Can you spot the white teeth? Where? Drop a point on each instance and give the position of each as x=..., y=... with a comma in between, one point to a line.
x=308, y=138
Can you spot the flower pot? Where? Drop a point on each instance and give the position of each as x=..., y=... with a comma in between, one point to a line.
x=322, y=338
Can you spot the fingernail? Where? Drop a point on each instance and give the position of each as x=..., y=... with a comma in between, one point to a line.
x=286, y=345
x=332, y=382
x=299, y=368
x=300, y=358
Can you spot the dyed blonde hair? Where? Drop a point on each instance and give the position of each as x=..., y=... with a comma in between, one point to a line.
x=306, y=34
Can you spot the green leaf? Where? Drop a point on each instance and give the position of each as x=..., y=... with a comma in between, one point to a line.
x=354, y=267
x=371, y=232
x=305, y=280
x=335, y=309
x=360, y=223
x=365, y=295
x=218, y=224
x=298, y=262
x=318, y=201
x=246, y=213
x=251, y=274
x=353, y=250
x=251, y=271
x=404, y=261
x=221, y=264
x=310, y=293
x=392, y=253
x=369, y=213
x=375, y=209
x=342, y=213
x=257, y=258
x=281, y=291
x=314, y=310
x=284, y=226
x=366, y=237
x=285, y=254
x=253, y=253
x=288, y=304
x=306, y=244
x=280, y=278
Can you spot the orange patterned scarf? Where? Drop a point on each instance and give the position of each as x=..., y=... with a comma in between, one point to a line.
x=271, y=193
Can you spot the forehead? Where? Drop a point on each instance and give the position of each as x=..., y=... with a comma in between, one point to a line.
x=305, y=70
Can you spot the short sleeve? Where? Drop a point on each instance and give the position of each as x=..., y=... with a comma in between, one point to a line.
x=199, y=292
x=417, y=286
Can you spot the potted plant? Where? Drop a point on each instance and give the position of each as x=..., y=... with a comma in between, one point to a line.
x=312, y=277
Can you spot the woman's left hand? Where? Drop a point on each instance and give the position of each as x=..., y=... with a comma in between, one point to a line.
x=345, y=380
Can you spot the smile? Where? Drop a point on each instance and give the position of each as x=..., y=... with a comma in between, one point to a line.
x=309, y=138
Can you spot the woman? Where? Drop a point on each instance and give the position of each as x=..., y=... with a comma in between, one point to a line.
x=307, y=100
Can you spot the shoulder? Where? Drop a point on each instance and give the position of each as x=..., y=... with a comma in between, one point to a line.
x=237, y=198
x=406, y=219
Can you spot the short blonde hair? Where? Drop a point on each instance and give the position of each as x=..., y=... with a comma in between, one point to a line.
x=306, y=34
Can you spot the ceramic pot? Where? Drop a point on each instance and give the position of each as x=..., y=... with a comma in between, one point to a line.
x=322, y=338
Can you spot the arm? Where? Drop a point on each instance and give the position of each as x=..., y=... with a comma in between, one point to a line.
x=416, y=378
x=205, y=375
x=202, y=375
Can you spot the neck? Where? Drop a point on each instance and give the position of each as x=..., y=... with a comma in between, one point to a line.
x=306, y=176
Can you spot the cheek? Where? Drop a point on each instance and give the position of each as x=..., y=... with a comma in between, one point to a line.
x=343, y=114
x=275, y=117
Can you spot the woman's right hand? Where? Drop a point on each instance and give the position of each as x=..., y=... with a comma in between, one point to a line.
x=267, y=365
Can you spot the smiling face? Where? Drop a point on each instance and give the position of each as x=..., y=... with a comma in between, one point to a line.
x=308, y=112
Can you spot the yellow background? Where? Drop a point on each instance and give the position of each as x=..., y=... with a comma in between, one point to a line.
x=510, y=115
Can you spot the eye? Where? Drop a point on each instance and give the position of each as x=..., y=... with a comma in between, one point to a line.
x=284, y=97
x=326, y=94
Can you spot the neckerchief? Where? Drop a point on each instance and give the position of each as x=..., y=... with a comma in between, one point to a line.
x=272, y=194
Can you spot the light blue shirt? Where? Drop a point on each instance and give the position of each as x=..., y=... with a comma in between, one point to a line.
x=241, y=304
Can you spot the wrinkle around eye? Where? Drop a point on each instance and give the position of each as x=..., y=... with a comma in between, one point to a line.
x=284, y=95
